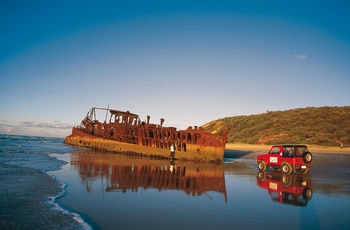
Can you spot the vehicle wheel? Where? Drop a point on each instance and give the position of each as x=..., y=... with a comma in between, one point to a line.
x=261, y=176
x=307, y=157
x=286, y=168
x=286, y=181
x=307, y=194
x=262, y=166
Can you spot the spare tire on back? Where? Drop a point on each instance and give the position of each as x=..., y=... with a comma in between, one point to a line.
x=307, y=157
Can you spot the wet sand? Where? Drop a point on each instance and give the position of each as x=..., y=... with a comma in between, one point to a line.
x=24, y=188
x=27, y=200
x=134, y=193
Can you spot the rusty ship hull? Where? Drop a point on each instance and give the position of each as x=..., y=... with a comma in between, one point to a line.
x=126, y=133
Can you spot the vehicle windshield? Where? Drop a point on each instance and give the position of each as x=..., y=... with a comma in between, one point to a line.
x=275, y=150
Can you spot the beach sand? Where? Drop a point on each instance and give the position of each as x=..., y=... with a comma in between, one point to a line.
x=112, y=199
x=24, y=191
x=27, y=200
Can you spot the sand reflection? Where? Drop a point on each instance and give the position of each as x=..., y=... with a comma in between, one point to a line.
x=129, y=173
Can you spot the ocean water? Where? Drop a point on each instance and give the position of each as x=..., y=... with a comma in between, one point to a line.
x=28, y=192
x=45, y=184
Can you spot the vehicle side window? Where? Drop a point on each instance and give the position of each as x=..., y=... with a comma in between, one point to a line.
x=288, y=151
x=275, y=150
x=300, y=150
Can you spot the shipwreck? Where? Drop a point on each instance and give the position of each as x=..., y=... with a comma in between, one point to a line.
x=125, y=132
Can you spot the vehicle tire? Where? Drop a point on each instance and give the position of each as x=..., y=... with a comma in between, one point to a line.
x=307, y=157
x=262, y=166
x=286, y=168
x=286, y=181
x=261, y=176
x=307, y=194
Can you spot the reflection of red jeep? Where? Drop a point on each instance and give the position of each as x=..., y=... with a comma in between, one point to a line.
x=289, y=189
x=289, y=158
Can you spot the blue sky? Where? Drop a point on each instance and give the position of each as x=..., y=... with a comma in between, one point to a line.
x=189, y=62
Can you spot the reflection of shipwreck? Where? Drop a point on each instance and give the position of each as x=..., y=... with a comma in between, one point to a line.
x=288, y=189
x=125, y=173
x=126, y=133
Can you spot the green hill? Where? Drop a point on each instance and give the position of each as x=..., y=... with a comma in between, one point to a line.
x=326, y=126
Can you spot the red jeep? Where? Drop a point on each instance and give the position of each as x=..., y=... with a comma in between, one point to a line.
x=288, y=158
x=288, y=189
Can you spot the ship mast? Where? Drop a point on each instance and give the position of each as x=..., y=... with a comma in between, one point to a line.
x=107, y=112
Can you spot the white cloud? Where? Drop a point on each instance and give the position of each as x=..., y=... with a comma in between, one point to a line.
x=301, y=56
x=29, y=128
x=54, y=125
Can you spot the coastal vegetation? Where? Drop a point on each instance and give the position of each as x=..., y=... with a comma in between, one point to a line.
x=325, y=126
